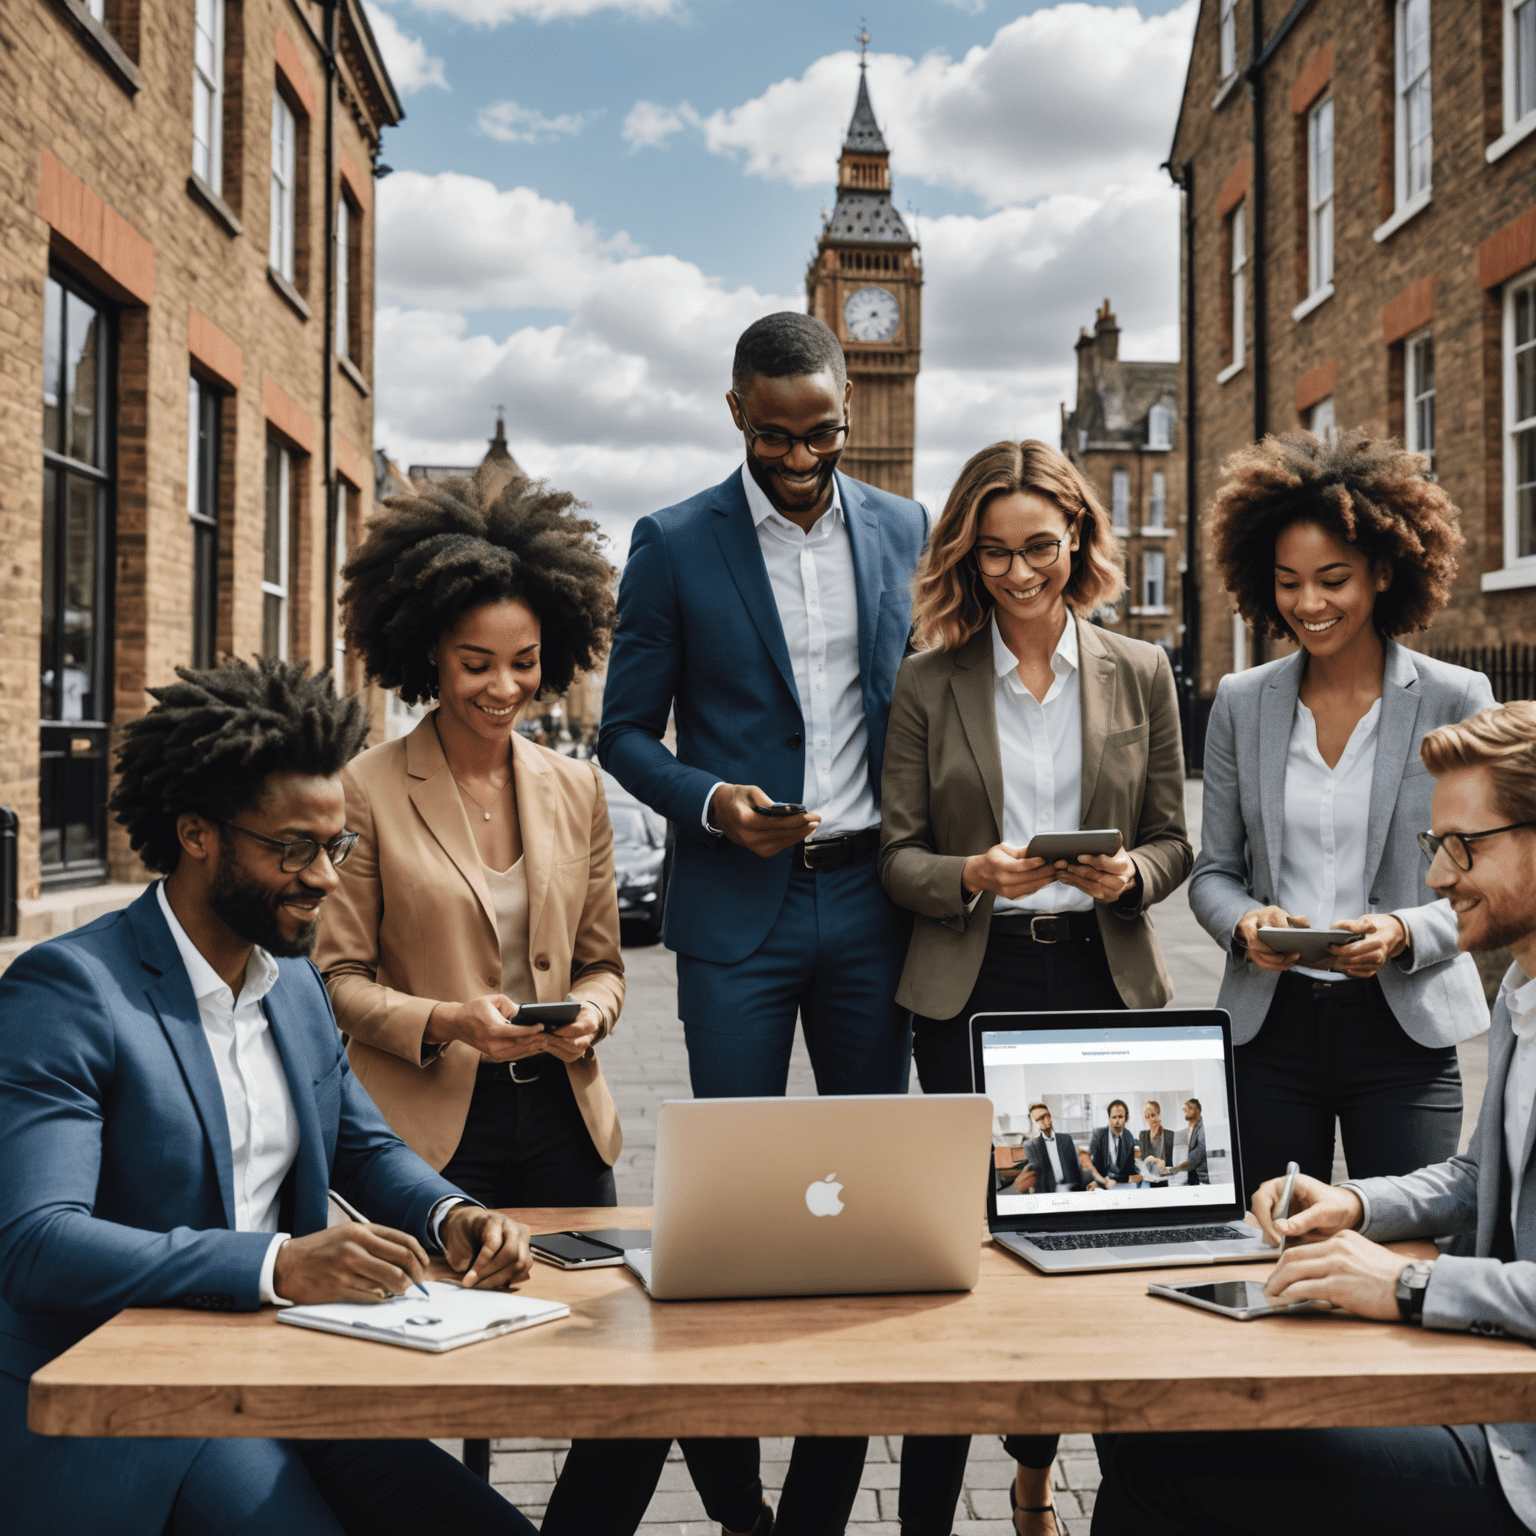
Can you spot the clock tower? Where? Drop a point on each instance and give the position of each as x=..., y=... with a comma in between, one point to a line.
x=866, y=283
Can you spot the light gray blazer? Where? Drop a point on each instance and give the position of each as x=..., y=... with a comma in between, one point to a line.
x=1436, y=996
x=1477, y=1292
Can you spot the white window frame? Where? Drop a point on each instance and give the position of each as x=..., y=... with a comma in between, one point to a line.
x=1238, y=234
x=1320, y=202
x=1408, y=186
x=285, y=132
x=1154, y=561
x=1322, y=419
x=1419, y=394
x=1159, y=427
x=1228, y=39
x=1239, y=643
x=343, y=276
x=97, y=10
x=1157, y=502
x=278, y=589
x=1519, y=72
x=1519, y=570
x=208, y=91
x=1120, y=500
x=339, y=515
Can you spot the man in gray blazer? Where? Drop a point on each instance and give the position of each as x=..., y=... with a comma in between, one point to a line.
x=1428, y=1478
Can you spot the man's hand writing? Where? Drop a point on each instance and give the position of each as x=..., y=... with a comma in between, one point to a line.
x=730, y=809
x=1318, y=1210
x=360, y=1261
x=1348, y=1271
x=488, y=1250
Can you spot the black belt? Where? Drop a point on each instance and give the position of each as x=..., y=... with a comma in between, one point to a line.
x=498, y=1071
x=835, y=852
x=1046, y=927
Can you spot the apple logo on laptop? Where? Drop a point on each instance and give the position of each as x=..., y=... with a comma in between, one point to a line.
x=821, y=1197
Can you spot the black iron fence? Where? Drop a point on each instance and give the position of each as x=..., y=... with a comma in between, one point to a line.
x=1511, y=669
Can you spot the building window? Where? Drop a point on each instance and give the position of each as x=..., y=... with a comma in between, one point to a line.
x=97, y=10
x=1519, y=61
x=1520, y=419
x=203, y=422
x=1153, y=574
x=75, y=701
x=346, y=288
x=280, y=253
x=1320, y=196
x=1120, y=500
x=1228, y=38
x=1321, y=422
x=1237, y=300
x=208, y=92
x=1239, y=643
x=1160, y=427
x=1419, y=381
x=1157, y=507
x=275, y=543
x=1415, y=136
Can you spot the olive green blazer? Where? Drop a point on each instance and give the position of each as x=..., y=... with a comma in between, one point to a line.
x=942, y=801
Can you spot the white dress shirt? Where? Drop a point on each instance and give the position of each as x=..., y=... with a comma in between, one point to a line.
x=1520, y=1085
x=1055, y=1157
x=1322, y=859
x=1041, y=742
x=263, y=1126
x=815, y=589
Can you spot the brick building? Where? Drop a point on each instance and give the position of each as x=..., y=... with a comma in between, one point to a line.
x=1359, y=249
x=187, y=427
x=1123, y=433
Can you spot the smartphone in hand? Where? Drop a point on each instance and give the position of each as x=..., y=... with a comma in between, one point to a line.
x=546, y=1016
x=780, y=808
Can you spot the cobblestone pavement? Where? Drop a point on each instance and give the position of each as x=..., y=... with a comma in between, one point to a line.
x=645, y=1062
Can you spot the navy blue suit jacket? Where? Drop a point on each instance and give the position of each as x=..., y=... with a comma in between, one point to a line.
x=699, y=638
x=1098, y=1153
x=1072, y=1175
x=117, y=1182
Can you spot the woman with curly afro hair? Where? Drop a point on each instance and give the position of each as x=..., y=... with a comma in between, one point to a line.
x=483, y=878
x=1313, y=800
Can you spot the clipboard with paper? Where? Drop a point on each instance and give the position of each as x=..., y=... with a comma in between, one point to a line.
x=446, y=1318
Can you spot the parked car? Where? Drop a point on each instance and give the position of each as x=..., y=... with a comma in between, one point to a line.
x=640, y=864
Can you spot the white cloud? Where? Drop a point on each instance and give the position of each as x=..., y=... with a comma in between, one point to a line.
x=405, y=57
x=492, y=13
x=513, y=123
x=1071, y=97
x=649, y=124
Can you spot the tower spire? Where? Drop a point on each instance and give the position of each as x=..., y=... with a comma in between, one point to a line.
x=861, y=37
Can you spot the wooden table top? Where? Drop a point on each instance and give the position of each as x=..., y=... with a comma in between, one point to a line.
x=1022, y=1352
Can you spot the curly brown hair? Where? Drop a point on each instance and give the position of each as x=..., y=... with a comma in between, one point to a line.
x=1368, y=492
x=453, y=545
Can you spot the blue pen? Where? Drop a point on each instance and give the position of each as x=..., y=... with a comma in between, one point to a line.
x=352, y=1213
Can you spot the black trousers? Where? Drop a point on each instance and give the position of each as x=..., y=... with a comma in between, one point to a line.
x=1419, y=1481
x=1016, y=973
x=1334, y=1049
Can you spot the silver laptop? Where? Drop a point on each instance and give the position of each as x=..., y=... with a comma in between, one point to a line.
x=816, y=1197
x=1072, y=1074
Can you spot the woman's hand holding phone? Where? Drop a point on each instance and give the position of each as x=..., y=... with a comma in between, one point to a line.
x=1259, y=952
x=570, y=1042
x=1006, y=872
x=1384, y=938
x=486, y=1023
x=1104, y=876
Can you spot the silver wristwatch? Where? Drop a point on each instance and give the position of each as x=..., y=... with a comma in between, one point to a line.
x=1412, y=1282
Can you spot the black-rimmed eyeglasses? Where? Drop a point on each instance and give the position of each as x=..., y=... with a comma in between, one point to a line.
x=1458, y=845
x=302, y=851
x=774, y=442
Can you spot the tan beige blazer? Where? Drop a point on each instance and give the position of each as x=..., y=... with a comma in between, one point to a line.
x=413, y=924
x=942, y=800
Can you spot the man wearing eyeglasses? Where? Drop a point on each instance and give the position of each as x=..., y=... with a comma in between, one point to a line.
x=768, y=616
x=1431, y=1478
x=175, y=1105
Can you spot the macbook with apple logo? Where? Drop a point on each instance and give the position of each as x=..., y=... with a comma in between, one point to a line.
x=817, y=1196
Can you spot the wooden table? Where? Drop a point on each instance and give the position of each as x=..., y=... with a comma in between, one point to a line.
x=1023, y=1352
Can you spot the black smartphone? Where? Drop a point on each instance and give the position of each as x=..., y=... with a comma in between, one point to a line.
x=1241, y=1299
x=780, y=808
x=547, y=1016
x=575, y=1250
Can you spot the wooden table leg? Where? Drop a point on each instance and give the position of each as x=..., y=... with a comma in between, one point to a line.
x=477, y=1457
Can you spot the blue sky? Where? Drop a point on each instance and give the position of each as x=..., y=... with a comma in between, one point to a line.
x=591, y=200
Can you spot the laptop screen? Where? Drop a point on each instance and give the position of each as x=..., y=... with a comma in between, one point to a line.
x=1107, y=1115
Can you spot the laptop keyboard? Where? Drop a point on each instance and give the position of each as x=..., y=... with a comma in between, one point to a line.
x=1059, y=1242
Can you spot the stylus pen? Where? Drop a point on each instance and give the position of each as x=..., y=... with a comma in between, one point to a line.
x=1291, y=1170
x=352, y=1213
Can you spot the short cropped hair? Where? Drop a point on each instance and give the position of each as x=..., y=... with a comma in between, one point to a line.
x=453, y=545
x=1123, y=1105
x=212, y=739
x=1368, y=492
x=1147, y=1104
x=1501, y=739
x=1034, y=1107
x=949, y=601
x=1195, y=1102
x=784, y=345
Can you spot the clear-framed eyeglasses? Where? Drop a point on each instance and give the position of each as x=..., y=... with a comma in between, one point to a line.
x=302, y=851
x=1038, y=555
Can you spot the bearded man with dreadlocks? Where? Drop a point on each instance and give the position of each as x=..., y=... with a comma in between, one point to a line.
x=175, y=1105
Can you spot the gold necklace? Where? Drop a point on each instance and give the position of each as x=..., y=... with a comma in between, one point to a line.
x=485, y=813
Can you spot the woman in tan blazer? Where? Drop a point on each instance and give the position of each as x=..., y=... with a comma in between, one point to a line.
x=1019, y=717
x=483, y=877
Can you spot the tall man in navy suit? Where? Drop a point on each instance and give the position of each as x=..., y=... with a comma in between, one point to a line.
x=175, y=1104
x=768, y=616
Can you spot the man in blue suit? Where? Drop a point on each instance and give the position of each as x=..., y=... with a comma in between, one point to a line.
x=767, y=616
x=1112, y=1148
x=175, y=1104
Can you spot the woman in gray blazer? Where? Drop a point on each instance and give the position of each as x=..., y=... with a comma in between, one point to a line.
x=1314, y=797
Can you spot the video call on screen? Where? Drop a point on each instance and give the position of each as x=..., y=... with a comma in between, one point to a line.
x=1077, y=1074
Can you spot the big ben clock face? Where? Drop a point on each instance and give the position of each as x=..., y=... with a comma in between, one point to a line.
x=872, y=314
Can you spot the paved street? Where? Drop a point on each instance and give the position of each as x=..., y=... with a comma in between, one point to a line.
x=645, y=1063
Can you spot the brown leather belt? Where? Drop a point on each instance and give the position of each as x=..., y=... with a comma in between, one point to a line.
x=834, y=852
